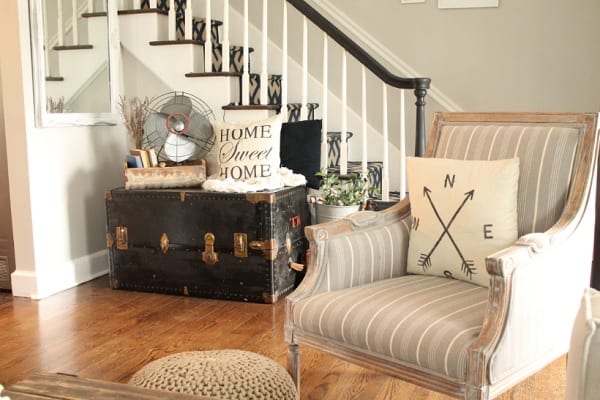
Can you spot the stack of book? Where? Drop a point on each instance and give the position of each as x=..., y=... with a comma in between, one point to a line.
x=142, y=158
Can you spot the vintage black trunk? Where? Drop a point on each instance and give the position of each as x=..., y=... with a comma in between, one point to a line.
x=219, y=245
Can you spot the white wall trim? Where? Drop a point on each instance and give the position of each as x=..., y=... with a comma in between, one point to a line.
x=56, y=279
x=467, y=3
x=382, y=53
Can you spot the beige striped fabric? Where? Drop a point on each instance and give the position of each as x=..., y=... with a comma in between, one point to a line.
x=425, y=320
x=546, y=155
x=367, y=256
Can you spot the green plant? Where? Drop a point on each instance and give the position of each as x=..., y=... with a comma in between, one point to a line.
x=342, y=190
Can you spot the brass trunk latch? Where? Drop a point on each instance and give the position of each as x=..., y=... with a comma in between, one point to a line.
x=122, y=238
x=240, y=245
x=164, y=243
x=268, y=247
x=208, y=255
x=293, y=265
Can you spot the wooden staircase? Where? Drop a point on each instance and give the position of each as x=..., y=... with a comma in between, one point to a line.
x=158, y=44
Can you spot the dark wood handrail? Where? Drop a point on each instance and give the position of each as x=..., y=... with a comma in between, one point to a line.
x=420, y=85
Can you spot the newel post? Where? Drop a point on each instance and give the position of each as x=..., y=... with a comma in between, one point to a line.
x=421, y=86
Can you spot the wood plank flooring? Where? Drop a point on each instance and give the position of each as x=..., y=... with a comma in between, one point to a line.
x=96, y=332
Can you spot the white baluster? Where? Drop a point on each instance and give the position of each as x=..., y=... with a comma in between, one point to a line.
x=264, y=74
x=364, y=121
x=189, y=19
x=324, y=102
x=46, y=38
x=284, y=63
x=60, y=34
x=208, y=43
x=153, y=4
x=402, y=146
x=385, y=178
x=137, y=4
x=343, y=138
x=246, y=74
x=225, y=41
x=172, y=17
x=304, y=103
x=74, y=22
x=90, y=7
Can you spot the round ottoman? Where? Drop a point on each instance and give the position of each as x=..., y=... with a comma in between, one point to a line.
x=224, y=374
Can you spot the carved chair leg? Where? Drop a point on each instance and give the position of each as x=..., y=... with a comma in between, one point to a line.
x=294, y=366
x=477, y=393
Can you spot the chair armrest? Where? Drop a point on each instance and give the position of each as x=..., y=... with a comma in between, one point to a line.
x=363, y=247
x=535, y=289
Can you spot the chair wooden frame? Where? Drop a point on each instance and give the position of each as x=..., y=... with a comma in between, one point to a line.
x=575, y=225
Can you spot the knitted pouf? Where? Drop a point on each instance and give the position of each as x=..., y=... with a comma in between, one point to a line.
x=225, y=374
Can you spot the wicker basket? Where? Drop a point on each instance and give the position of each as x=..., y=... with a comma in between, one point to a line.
x=165, y=177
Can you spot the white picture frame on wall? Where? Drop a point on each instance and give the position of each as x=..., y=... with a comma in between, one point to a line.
x=412, y=1
x=467, y=3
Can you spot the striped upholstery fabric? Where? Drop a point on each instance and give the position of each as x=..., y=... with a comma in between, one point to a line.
x=546, y=156
x=424, y=320
x=353, y=261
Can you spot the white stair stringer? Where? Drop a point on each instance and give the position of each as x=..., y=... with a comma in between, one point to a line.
x=74, y=70
x=171, y=62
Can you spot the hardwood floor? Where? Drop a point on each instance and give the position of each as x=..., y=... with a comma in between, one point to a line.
x=96, y=332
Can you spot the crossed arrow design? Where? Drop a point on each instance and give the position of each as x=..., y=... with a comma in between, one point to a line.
x=425, y=259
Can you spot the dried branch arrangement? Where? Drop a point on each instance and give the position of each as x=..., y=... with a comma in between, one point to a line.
x=134, y=112
x=55, y=106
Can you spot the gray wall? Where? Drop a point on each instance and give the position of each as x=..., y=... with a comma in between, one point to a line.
x=525, y=55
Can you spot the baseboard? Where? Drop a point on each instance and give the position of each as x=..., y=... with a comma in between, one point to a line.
x=38, y=285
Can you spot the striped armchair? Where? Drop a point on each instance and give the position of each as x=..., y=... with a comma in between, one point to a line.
x=358, y=302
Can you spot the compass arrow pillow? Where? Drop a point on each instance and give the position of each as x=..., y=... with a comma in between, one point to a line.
x=462, y=211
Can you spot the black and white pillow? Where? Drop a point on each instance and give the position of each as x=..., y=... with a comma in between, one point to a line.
x=462, y=211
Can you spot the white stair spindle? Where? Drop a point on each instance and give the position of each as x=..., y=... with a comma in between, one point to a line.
x=343, y=136
x=60, y=34
x=90, y=7
x=303, y=106
x=74, y=22
x=189, y=19
x=264, y=74
x=208, y=43
x=324, y=103
x=172, y=17
x=284, y=63
x=402, y=146
x=153, y=4
x=225, y=41
x=245, y=73
x=385, y=179
x=46, y=39
x=364, y=121
x=137, y=4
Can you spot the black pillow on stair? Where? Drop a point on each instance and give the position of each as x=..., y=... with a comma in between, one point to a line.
x=300, y=149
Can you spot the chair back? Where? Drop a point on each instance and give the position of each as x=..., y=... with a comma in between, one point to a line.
x=555, y=151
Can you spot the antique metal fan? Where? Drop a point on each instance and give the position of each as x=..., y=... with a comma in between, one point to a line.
x=178, y=127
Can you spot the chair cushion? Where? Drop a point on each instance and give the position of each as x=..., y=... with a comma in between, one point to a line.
x=583, y=362
x=463, y=211
x=408, y=319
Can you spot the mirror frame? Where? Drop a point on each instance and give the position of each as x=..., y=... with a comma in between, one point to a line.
x=46, y=119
